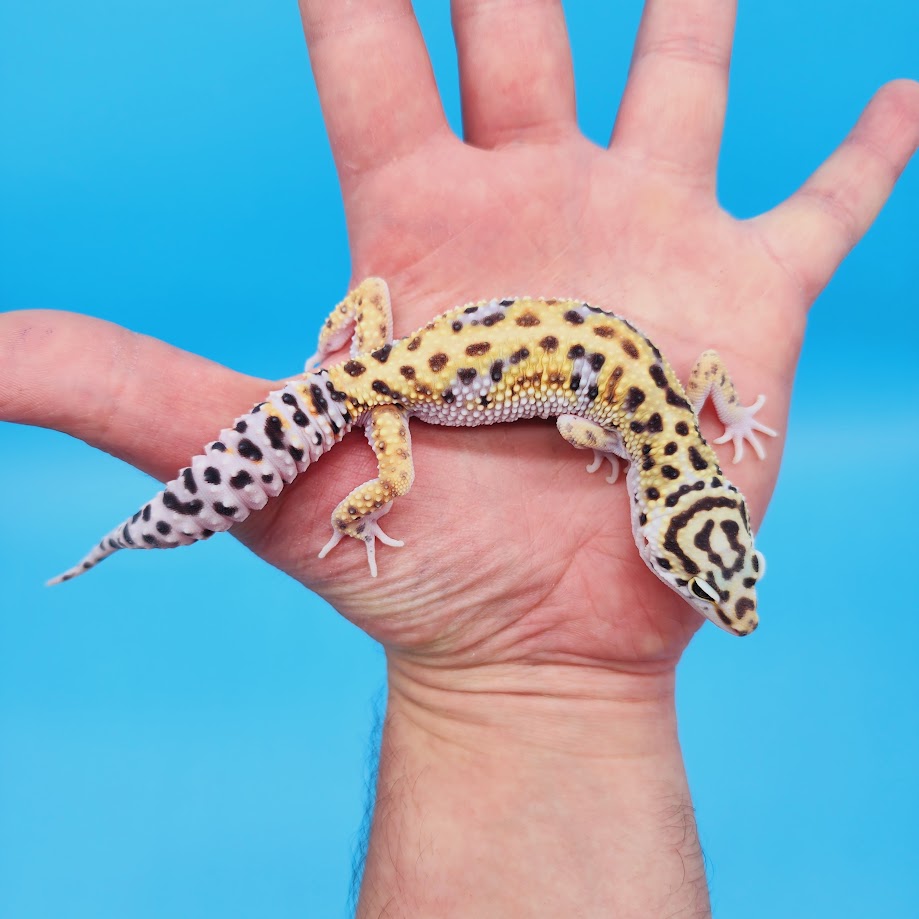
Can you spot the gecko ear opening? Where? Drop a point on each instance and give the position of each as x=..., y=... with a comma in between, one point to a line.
x=703, y=590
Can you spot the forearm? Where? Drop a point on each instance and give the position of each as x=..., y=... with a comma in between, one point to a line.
x=569, y=801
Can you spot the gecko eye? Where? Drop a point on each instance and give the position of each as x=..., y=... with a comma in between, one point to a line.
x=703, y=590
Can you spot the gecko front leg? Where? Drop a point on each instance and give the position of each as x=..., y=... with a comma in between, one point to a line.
x=586, y=435
x=709, y=377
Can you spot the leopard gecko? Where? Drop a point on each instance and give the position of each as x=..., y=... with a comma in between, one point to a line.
x=605, y=383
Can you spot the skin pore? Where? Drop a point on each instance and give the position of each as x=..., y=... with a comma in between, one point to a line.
x=529, y=763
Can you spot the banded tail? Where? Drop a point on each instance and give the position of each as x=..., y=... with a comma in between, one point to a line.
x=249, y=463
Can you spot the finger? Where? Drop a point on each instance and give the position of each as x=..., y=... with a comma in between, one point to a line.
x=516, y=78
x=374, y=78
x=130, y=395
x=672, y=110
x=813, y=231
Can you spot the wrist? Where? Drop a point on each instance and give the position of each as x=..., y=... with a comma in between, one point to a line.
x=503, y=788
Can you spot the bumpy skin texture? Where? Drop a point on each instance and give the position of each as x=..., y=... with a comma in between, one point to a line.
x=494, y=361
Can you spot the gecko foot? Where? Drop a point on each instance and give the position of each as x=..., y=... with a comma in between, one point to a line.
x=368, y=531
x=743, y=427
x=599, y=456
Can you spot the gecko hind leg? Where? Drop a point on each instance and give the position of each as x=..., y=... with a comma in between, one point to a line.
x=364, y=316
x=709, y=377
x=358, y=514
x=586, y=435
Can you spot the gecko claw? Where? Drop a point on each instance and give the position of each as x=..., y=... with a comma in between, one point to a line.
x=371, y=534
x=599, y=456
x=743, y=428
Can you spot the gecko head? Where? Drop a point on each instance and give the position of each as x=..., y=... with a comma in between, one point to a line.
x=705, y=552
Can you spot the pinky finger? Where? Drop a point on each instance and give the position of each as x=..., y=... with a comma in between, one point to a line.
x=812, y=231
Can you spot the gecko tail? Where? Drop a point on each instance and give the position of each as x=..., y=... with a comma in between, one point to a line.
x=236, y=474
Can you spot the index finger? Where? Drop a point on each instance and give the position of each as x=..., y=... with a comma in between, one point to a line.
x=374, y=79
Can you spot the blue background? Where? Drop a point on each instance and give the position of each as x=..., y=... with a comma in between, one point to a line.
x=193, y=751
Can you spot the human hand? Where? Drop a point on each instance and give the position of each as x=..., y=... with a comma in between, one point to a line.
x=533, y=572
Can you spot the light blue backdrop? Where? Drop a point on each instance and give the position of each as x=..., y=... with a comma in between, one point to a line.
x=183, y=750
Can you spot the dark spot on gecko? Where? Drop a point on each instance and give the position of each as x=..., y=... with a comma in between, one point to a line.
x=519, y=356
x=337, y=395
x=696, y=459
x=670, y=472
x=257, y=408
x=604, y=331
x=437, y=362
x=492, y=319
x=642, y=519
x=756, y=563
x=381, y=354
x=655, y=423
x=241, y=479
x=448, y=396
x=549, y=343
x=716, y=482
x=484, y=401
x=219, y=446
x=653, y=494
x=497, y=370
x=682, y=428
x=479, y=348
x=471, y=309
x=268, y=477
x=466, y=375
x=241, y=427
x=135, y=516
x=150, y=540
x=743, y=606
x=674, y=399
x=288, y=399
x=645, y=449
x=658, y=375
x=188, y=508
x=575, y=380
x=206, y=533
x=506, y=303
x=637, y=427
x=408, y=372
x=319, y=401
x=633, y=399
x=664, y=563
x=749, y=582
x=575, y=351
x=527, y=320
x=163, y=527
x=597, y=361
x=648, y=463
x=574, y=317
x=457, y=326
x=189, y=479
x=127, y=536
x=593, y=392
x=297, y=453
x=670, y=449
x=300, y=419
x=212, y=475
x=380, y=387
x=274, y=431
x=145, y=513
x=629, y=347
x=224, y=510
x=414, y=344
x=249, y=450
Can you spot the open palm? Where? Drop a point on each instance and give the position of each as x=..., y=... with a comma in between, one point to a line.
x=513, y=553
